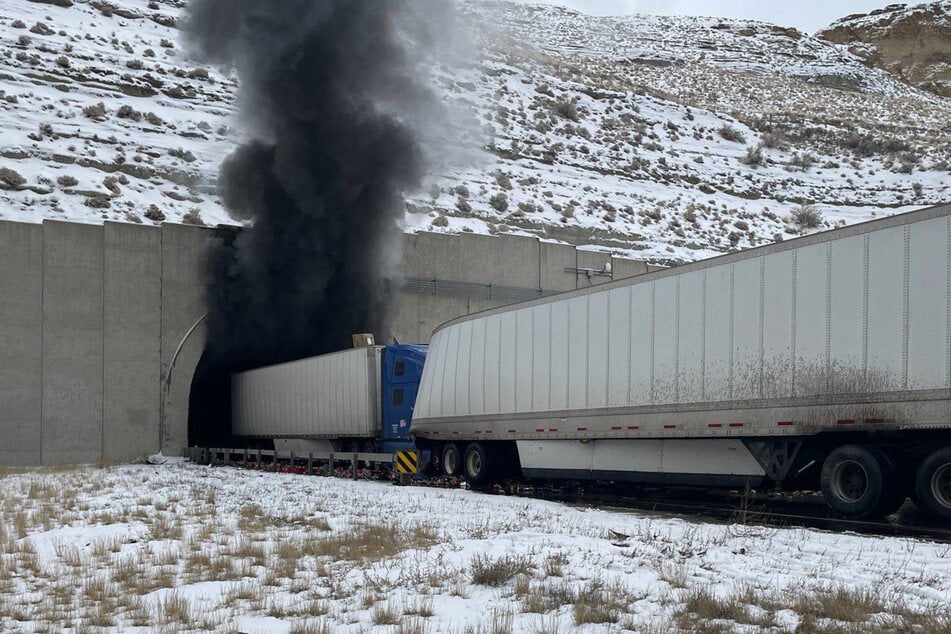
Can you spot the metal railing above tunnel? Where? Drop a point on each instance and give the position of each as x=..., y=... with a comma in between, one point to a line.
x=474, y=289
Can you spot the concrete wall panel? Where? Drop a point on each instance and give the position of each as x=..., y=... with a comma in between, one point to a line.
x=183, y=304
x=553, y=259
x=622, y=267
x=132, y=340
x=21, y=336
x=94, y=314
x=72, y=343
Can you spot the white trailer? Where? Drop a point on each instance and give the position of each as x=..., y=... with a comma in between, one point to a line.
x=332, y=396
x=820, y=361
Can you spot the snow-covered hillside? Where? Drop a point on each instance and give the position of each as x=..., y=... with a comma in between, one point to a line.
x=669, y=139
x=102, y=118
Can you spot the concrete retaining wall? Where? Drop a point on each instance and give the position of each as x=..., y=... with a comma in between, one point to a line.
x=92, y=315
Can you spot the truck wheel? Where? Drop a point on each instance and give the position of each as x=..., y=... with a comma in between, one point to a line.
x=353, y=447
x=369, y=447
x=476, y=464
x=860, y=482
x=451, y=460
x=933, y=483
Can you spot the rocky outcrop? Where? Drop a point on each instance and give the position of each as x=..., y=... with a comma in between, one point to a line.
x=912, y=42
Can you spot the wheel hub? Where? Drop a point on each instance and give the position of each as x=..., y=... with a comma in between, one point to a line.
x=941, y=485
x=850, y=480
x=450, y=460
x=475, y=464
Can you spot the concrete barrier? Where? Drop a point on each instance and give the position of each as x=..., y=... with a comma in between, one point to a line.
x=92, y=315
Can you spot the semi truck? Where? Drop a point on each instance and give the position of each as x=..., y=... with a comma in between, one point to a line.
x=822, y=362
x=357, y=400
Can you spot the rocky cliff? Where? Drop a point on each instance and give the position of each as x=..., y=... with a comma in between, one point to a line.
x=912, y=42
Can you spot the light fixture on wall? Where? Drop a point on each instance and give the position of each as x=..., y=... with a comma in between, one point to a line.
x=605, y=271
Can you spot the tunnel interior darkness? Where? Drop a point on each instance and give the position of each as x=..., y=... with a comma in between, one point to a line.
x=209, y=407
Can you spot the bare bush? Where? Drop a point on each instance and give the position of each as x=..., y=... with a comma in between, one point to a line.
x=486, y=571
x=126, y=111
x=774, y=140
x=731, y=134
x=565, y=110
x=154, y=214
x=499, y=202
x=193, y=217
x=807, y=217
x=803, y=161
x=41, y=28
x=11, y=178
x=97, y=202
x=153, y=118
x=754, y=156
x=185, y=155
x=96, y=111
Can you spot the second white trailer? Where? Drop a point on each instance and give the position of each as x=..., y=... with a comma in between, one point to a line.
x=823, y=359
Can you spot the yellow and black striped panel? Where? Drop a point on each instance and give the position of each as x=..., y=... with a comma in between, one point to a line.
x=407, y=461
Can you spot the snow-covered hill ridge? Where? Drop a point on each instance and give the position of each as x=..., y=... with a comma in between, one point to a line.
x=913, y=43
x=668, y=139
x=102, y=118
x=694, y=143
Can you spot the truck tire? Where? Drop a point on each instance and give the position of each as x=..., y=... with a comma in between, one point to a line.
x=933, y=483
x=451, y=460
x=369, y=447
x=476, y=464
x=860, y=482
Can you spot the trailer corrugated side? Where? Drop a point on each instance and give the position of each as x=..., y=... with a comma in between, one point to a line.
x=330, y=396
x=842, y=331
x=850, y=324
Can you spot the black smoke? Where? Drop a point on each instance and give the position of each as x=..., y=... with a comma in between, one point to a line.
x=333, y=95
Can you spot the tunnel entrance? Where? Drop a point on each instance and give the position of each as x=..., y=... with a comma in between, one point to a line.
x=262, y=315
x=209, y=407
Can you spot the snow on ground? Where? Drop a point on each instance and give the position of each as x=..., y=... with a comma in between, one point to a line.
x=180, y=547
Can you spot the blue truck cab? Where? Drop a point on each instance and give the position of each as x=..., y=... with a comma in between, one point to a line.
x=402, y=370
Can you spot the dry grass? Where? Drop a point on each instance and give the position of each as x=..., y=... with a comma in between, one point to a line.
x=384, y=614
x=840, y=604
x=486, y=571
x=555, y=563
x=310, y=626
x=674, y=573
x=418, y=606
x=601, y=603
x=822, y=611
x=371, y=542
x=174, y=608
x=500, y=622
x=701, y=606
x=414, y=625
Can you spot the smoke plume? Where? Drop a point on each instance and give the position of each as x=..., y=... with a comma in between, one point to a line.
x=332, y=92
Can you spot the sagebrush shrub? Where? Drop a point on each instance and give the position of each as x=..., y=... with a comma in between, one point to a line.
x=730, y=133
